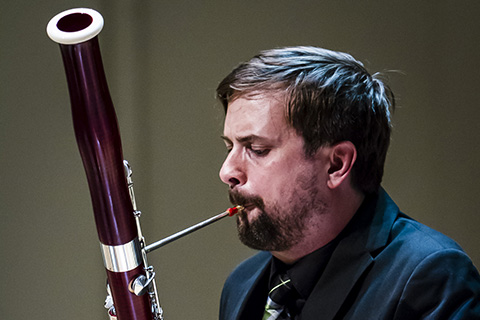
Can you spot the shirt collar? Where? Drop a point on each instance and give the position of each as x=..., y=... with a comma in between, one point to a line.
x=305, y=272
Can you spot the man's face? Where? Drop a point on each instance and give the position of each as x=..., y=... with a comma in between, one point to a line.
x=268, y=173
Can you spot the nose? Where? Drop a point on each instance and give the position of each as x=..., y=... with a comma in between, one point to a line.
x=232, y=172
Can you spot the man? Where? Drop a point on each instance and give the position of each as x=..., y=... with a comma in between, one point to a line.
x=307, y=132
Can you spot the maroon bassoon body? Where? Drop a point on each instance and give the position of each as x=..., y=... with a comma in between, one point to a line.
x=98, y=139
x=131, y=283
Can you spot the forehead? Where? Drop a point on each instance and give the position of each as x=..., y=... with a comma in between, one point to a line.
x=258, y=115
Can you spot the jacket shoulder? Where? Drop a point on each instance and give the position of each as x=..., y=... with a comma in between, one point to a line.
x=423, y=260
x=420, y=238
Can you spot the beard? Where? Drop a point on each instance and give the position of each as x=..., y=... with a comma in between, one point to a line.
x=276, y=228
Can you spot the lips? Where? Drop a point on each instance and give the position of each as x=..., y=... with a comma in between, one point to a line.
x=247, y=201
x=248, y=206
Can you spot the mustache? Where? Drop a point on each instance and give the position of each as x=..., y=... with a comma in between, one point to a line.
x=236, y=198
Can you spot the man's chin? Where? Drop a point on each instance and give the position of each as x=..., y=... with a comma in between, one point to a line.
x=257, y=243
x=257, y=231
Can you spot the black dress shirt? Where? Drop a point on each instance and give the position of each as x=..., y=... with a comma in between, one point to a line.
x=304, y=274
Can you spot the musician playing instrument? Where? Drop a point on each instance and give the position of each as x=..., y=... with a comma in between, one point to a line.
x=307, y=132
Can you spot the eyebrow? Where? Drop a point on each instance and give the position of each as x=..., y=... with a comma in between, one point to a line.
x=244, y=139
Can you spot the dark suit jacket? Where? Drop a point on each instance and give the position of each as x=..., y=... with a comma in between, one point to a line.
x=385, y=266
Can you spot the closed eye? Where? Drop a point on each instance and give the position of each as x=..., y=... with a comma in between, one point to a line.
x=259, y=152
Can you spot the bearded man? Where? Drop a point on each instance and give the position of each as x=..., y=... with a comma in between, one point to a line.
x=307, y=132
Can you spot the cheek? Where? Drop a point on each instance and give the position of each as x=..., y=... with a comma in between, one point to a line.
x=275, y=186
x=267, y=183
x=277, y=180
x=297, y=183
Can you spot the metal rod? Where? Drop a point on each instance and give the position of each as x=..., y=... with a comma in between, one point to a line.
x=180, y=234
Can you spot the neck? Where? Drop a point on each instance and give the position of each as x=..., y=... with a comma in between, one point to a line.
x=323, y=228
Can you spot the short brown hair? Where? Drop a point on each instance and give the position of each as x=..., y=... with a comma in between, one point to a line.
x=330, y=96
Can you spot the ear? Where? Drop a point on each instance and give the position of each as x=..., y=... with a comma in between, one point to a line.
x=342, y=157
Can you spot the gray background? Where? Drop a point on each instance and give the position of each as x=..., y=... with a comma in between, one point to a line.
x=163, y=60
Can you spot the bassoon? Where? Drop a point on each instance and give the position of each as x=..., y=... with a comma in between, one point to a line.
x=132, y=292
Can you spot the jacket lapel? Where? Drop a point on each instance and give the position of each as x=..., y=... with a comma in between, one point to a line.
x=248, y=286
x=367, y=232
x=334, y=285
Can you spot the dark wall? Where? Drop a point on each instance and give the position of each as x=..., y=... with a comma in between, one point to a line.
x=163, y=60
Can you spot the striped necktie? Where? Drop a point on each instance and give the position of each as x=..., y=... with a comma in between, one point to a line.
x=277, y=297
